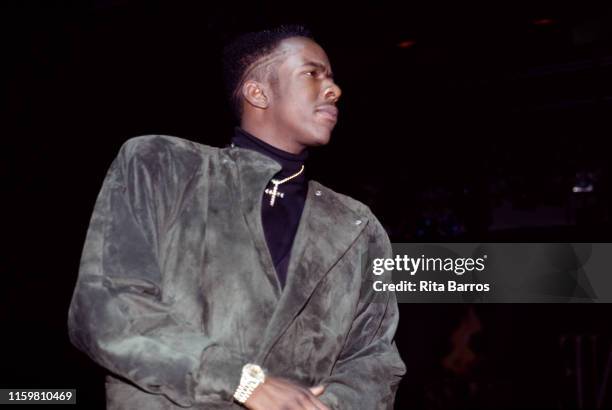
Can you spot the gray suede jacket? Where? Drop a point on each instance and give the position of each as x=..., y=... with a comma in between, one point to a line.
x=177, y=290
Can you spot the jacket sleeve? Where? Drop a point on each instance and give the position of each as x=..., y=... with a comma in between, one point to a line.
x=369, y=368
x=120, y=314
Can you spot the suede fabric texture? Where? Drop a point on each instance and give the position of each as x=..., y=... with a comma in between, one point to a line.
x=177, y=290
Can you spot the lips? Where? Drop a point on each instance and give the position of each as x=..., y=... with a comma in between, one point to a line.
x=329, y=112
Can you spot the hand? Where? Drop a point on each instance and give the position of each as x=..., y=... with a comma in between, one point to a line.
x=280, y=394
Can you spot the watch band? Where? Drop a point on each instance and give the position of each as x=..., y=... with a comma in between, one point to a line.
x=252, y=376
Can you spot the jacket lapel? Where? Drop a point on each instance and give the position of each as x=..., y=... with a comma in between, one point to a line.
x=254, y=173
x=326, y=231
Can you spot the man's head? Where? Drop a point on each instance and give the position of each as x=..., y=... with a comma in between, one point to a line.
x=281, y=87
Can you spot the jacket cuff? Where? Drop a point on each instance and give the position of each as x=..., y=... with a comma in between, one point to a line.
x=219, y=374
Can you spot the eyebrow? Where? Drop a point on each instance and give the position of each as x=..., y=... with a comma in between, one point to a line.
x=320, y=66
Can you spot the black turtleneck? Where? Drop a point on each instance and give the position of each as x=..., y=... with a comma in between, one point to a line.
x=280, y=222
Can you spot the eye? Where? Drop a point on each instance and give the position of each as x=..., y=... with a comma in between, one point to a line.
x=311, y=73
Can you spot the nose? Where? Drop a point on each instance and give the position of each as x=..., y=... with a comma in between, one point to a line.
x=333, y=93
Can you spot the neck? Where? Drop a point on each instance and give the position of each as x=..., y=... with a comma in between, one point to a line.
x=289, y=161
x=269, y=135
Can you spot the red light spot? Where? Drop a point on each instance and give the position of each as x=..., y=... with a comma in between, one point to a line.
x=406, y=43
x=543, y=22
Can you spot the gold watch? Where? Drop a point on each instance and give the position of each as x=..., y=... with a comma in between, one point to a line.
x=252, y=376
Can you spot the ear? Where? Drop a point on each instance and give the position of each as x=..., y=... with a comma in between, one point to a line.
x=255, y=94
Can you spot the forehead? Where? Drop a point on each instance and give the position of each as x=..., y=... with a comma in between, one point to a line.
x=300, y=50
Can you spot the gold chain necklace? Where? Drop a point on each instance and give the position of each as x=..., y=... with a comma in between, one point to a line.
x=274, y=191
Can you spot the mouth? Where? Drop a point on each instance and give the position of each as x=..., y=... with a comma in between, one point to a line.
x=328, y=112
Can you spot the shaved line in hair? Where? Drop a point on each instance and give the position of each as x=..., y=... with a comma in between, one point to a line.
x=261, y=70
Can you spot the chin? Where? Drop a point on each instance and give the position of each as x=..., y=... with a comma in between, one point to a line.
x=316, y=136
x=321, y=137
x=319, y=140
x=325, y=138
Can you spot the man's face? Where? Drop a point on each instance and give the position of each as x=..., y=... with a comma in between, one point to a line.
x=304, y=94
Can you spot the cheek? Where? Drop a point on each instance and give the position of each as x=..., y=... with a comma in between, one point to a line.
x=305, y=94
x=302, y=108
x=298, y=106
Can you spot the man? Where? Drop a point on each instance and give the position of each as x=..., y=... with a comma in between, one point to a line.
x=220, y=278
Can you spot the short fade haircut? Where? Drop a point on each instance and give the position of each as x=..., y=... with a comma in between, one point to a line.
x=240, y=55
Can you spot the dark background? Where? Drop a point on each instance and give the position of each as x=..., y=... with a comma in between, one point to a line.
x=458, y=122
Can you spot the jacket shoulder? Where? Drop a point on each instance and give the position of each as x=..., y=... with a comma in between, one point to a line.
x=351, y=204
x=165, y=153
x=148, y=145
x=168, y=161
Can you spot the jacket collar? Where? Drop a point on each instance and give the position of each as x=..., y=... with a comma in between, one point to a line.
x=327, y=229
